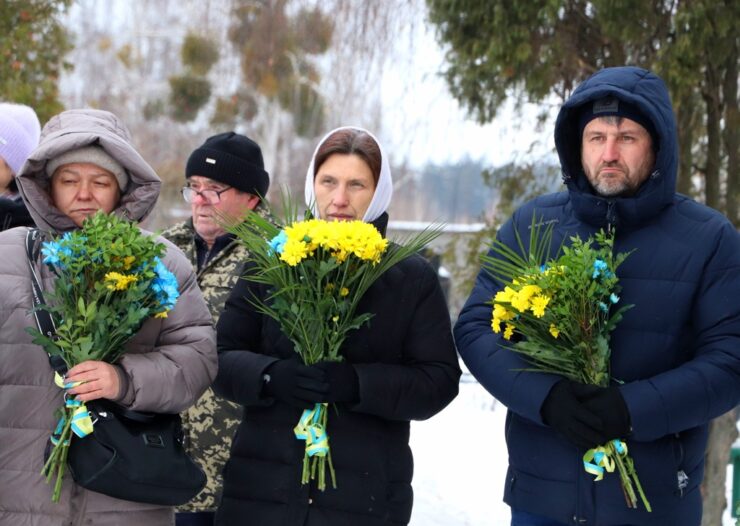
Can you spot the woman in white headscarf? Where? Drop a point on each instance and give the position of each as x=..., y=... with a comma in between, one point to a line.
x=401, y=366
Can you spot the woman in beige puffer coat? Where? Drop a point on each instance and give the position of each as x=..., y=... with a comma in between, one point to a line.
x=168, y=363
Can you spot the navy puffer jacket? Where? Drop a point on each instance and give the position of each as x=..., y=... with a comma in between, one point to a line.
x=677, y=350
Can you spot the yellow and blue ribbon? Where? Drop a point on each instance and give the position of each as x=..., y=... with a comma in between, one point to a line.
x=599, y=460
x=310, y=429
x=82, y=424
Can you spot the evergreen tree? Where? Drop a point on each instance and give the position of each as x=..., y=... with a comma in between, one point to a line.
x=32, y=48
x=530, y=50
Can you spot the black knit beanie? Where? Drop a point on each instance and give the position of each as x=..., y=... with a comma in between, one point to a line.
x=231, y=159
x=613, y=106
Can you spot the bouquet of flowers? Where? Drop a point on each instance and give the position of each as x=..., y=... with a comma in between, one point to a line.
x=562, y=311
x=109, y=280
x=316, y=272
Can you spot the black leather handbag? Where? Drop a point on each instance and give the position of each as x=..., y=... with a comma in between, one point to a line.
x=134, y=456
x=130, y=455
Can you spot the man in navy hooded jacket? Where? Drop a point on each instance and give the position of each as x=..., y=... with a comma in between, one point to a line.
x=677, y=350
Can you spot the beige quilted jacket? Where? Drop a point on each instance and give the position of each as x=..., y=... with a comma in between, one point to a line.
x=169, y=363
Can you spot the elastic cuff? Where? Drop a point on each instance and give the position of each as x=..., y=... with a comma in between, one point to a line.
x=123, y=385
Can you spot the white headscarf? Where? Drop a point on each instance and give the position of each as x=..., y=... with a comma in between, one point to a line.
x=383, y=190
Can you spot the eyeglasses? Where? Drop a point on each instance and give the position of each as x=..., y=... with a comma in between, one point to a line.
x=211, y=196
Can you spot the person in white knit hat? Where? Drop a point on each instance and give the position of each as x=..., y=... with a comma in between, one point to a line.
x=19, y=135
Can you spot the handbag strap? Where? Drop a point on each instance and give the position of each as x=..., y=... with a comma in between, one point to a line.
x=44, y=321
x=141, y=417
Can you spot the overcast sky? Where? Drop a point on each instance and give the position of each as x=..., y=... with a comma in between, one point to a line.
x=416, y=98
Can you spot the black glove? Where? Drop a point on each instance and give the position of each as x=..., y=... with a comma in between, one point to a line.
x=562, y=411
x=341, y=377
x=608, y=404
x=294, y=383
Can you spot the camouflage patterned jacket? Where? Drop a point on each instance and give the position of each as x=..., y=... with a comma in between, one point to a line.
x=212, y=421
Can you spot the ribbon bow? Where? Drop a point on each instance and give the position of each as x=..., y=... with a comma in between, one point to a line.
x=600, y=459
x=310, y=429
x=82, y=424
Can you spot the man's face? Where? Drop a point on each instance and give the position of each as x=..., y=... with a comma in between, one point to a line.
x=344, y=186
x=231, y=203
x=6, y=175
x=81, y=189
x=617, y=156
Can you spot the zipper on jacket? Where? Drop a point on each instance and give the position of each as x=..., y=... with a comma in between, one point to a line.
x=611, y=216
x=579, y=468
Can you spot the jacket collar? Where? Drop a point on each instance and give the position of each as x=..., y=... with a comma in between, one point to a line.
x=381, y=223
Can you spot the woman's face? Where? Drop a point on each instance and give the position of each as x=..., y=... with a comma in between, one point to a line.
x=6, y=175
x=81, y=189
x=344, y=187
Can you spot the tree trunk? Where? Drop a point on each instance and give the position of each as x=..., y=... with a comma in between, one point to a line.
x=722, y=433
x=731, y=136
x=685, y=118
x=711, y=93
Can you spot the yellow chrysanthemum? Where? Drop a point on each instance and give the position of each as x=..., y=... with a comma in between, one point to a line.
x=128, y=261
x=118, y=281
x=509, y=331
x=521, y=301
x=505, y=295
x=294, y=251
x=339, y=238
x=554, y=330
x=539, y=303
x=501, y=312
x=343, y=291
x=162, y=314
x=340, y=255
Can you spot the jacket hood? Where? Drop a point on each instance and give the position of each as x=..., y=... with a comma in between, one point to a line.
x=75, y=129
x=649, y=93
x=383, y=190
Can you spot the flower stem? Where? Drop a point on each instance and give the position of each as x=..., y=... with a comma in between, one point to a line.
x=624, y=476
x=57, y=460
x=305, y=475
x=633, y=473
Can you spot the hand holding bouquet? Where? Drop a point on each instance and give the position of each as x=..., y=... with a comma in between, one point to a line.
x=563, y=311
x=110, y=279
x=317, y=272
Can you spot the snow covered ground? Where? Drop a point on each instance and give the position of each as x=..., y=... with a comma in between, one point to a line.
x=460, y=463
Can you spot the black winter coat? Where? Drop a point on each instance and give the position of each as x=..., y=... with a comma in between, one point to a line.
x=408, y=370
x=13, y=213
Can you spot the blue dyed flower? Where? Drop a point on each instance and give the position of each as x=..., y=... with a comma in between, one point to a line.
x=603, y=306
x=56, y=252
x=600, y=267
x=164, y=286
x=277, y=243
x=51, y=250
x=613, y=298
